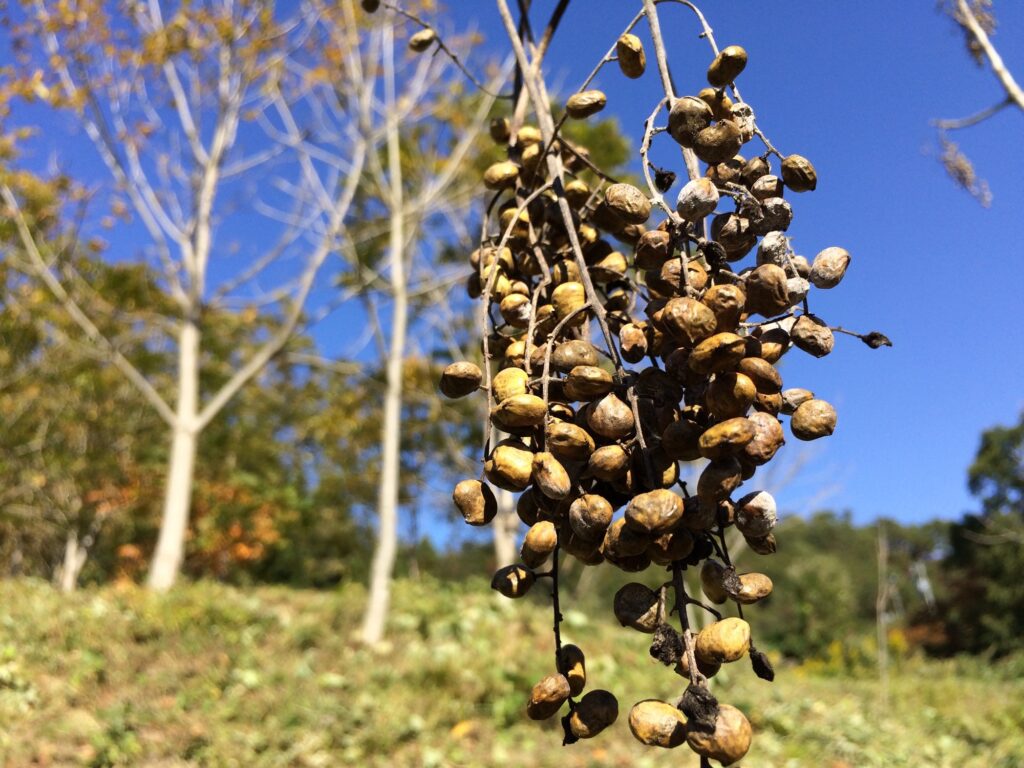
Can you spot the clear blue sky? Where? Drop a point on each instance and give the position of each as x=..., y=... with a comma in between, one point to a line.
x=853, y=87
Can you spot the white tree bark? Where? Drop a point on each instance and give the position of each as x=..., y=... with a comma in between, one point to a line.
x=170, y=547
x=506, y=525
x=74, y=560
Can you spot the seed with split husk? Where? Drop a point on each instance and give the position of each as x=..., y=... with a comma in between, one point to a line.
x=698, y=198
x=610, y=417
x=501, y=175
x=593, y=713
x=550, y=477
x=475, y=501
x=422, y=40
x=657, y=724
x=720, y=352
x=726, y=301
x=829, y=267
x=588, y=382
x=753, y=587
x=608, y=462
x=719, y=142
x=768, y=438
x=798, y=174
x=585, y=103
x=513, y=580
x=636, y=606
x=628, y=203
x=460, y=379
x=726, y=438
x=539, y=543
x=590, y=516
x=723, y=641
x=572, y=664
x=510, y=465
x=756, y=514
x=547, y=697
x=813, y=419
x=630, y=54
x=727, y=66
x=712, y=576
x=509, y=382
x=519, y=411
x=730, y=739
x=655, y=512
x=687, y=118
x=812, y=335
x=730, y=394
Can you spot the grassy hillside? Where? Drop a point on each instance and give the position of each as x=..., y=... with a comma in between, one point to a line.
x=212, y=676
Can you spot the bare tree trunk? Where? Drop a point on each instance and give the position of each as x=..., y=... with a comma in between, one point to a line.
x=74, y=560
x=387, y=504
x=170, y=545
x=506, y=524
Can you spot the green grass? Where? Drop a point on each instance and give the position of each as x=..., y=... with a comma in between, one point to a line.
x=214, y=676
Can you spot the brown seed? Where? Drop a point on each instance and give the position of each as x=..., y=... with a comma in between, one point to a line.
x=727, y=66
x=568, y=442
x=681, y=440
x=500, y=129
x=636, y=606
x=577, y=192
x=726, y=439
x=550, y=477
x=587, y=552
x=688, y=320
x=519, y=411
x=726, y=302
x=719, y=478
x=569, y=354
x=513, y=580
x=572, y=664
x=510, y=465
x=509, y=382
x=682, y=667
x=829, y=267
x=628, y=203
x=630, y=54
x=719, y=142
x=501, y=175
x=653, y=249
x=730, y=394
x=813, y=419
x=547, y=697
x=655, y=512
x=622, y=541
x=475, y=501
x=610, y=268
x=588, y=382
x=798, y=174
x=812, y=335
x=594, y=712
x=766, y=290
x=529, y=134
x=687, y=118
x=767, y=187
x=762, y=546
x=589, y=517
x=734, y=233
x=568, y=299
x=609, y=462
x=422, y=40
x=720, y=352
x=657, y=724
x=585, y=103
x=765, y=376
x=370, y=6
x=669, y=547
x=610, y=418
x=768, y=403
x=723, y=641
x=633, y=343
x=460, y=379
x=753, y=587
x=698, y=198
x=712, y=579
x=730, y=740
x=753, y=170
x=539, y=543
x=718, y=100
x=515, y=310
x=768, y=438
x=792, y=399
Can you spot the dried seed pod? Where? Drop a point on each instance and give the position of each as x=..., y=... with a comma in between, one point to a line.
x=370, y=6
x=753, y=587
x=610, y=268
x=475, y=501
x=550, y=477
x=621, y=541
x=629, y=52
x=728, y=742
x=501, y=175
x=776, y=213
x=513, y=580
x=727, y=66
x=585, y=103
x=510, y=465
x=610, y=418
x=723, y=641
x=422, y=40
x=793, y=398
x=720, y=352
x=726, y=301
x=726, y=172
x=577, y=192
x=726, y=438
x=698, y=198
x=767, y=187
x=829, y=267
x=712, y=579
x=753, y=170
x=515, y=310
x=628, y=203
x=593, y=713
x=529, y=134
x=572, y=664
x=637, y=606
x=743, y=115
x=539, y=543
x=718, y=100
x=657, y=724
x=762, y=546
x=569, y=354
x=589, y=517
x=669, y=547
x=812, y=335
x=687, y=118
x=609, y=462
x=519, y=411
x=633, y=343
x=730, y=394
x=774, y=249
x=500, y=130
x=764, y=375
x=547, y=697
x=756, y=514
x=653, y=249
x=719, y=478
x=813, y=419
x=774, y=344
x=768, y=403
x=798, y=174
x=460, y=379
x=655, y=512
x=797, y=289
x=719, y=142
x=766, y=290
x=682, y=667
x=688, y=320
x=588, y=382
x=567, y=299
x=509, y=382
x=768, y=438
x=568, y=442
x=564, y=271
x=734, y=233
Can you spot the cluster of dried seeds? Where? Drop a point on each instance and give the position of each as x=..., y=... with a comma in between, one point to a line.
x=623, y=337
